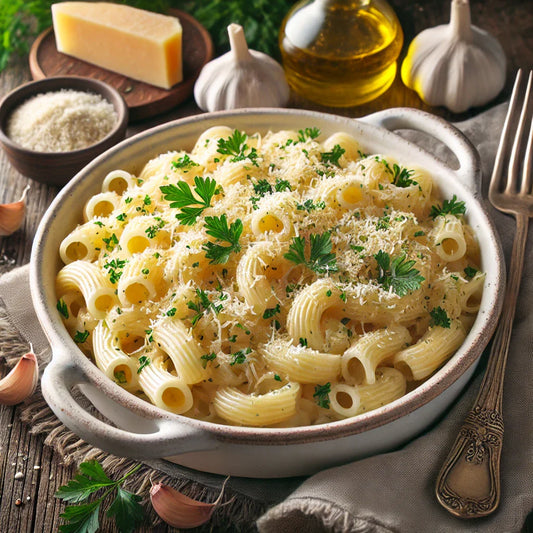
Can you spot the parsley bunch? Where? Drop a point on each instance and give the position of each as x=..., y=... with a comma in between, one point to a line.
x=397, y=274
x=83, y=518
x=321, y=258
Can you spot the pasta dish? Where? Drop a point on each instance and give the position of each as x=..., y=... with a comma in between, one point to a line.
x=271, y=281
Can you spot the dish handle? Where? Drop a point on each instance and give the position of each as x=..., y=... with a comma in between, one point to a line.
x=143, y=438
x=469, y=171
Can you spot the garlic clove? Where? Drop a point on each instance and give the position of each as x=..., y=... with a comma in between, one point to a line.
x=178, y=510
x=21, y=381
x=456, y=65
x=12, y=215
x=241, y=78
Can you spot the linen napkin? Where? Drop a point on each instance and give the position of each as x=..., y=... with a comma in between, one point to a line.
x=392, y=492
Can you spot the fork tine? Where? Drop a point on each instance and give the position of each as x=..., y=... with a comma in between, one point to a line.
x=504, y=138
x=514, y=160
x=526, y=173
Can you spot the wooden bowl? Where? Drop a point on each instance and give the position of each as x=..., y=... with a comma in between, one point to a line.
x=57, y=168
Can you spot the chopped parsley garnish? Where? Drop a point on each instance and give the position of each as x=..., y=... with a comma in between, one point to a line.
x=171, y=312
x=309, y=206
x=144, y=361
x=191, y=206
x=449, y=207
x=321, y=258
x=419, y=233
x=110, y=242
x=240, y=357
x=401, y=177
x=147, y=200
x=397, y=273
x=333, y=156
x=114, y=267
x=262, y=187
x=282, y=185
x=122, y=217
x=277, y=377
x=218, y=228
x=302, y=342
x=470, y=272
x=184, y=162
x=152, y=231
x=308, y=133
x=439, y=317
x=208, y=357
x=62, y=307
x=271, y=312
x=81, y=336
x=203, y=304
x=236, y=146
x=383, y=223
x=321, y=395
x=357, y=248
x=98, y=223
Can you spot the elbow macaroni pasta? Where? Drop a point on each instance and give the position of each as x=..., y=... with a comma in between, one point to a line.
x=272, y=280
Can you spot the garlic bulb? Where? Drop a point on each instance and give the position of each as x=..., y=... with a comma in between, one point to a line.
x=241, y=78
x=456, y=65
x=12, y=215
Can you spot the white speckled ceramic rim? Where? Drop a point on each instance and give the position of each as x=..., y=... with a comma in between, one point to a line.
x=159, y=433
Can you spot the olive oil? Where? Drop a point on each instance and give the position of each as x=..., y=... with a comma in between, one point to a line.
x=340, y=53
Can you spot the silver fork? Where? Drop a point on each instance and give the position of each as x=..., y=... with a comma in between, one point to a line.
x=468, y=484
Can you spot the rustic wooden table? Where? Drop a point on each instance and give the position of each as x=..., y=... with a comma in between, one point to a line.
x=511, y=21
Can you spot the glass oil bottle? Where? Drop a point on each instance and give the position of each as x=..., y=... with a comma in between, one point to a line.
x=340, y=53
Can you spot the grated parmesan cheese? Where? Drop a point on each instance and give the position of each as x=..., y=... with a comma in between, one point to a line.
x=61, y=121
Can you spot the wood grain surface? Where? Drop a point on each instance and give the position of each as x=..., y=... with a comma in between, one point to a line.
x=511, y=21
x=143, y=100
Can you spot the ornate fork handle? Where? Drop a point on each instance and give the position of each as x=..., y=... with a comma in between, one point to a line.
x=468, y=484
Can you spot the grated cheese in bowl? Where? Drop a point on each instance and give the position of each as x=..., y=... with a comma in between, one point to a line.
x=61, y=121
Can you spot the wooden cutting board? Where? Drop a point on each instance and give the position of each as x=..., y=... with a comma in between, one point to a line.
x=143, y=100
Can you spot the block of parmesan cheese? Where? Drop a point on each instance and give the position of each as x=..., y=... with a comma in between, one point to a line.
x=139, y=44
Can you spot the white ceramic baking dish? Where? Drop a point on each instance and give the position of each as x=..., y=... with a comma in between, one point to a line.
x=139, y=430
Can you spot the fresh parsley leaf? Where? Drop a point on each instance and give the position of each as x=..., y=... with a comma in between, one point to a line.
x=397, y=273
x=449, y=207
x=81, y=518
x=401, y=177
x=62, y=307
x=321, y=258
x=81, y=336
x=308, y=133
x=333, y=156
x=171, y=312
x=182, y=197
x=203, y=304
x=439, y=317
x=321, y=395
x=125, y=508
x=218, y=228
x=236, y=146
x=262, y=187
x=144, y=361
x=114, y=267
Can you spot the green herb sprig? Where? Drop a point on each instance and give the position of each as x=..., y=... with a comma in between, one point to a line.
x=182, y=197
x=235, y=145
x=83, y=518
x=398, y=273
x=449, y=207
x=321, y=258
x=218, y=228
